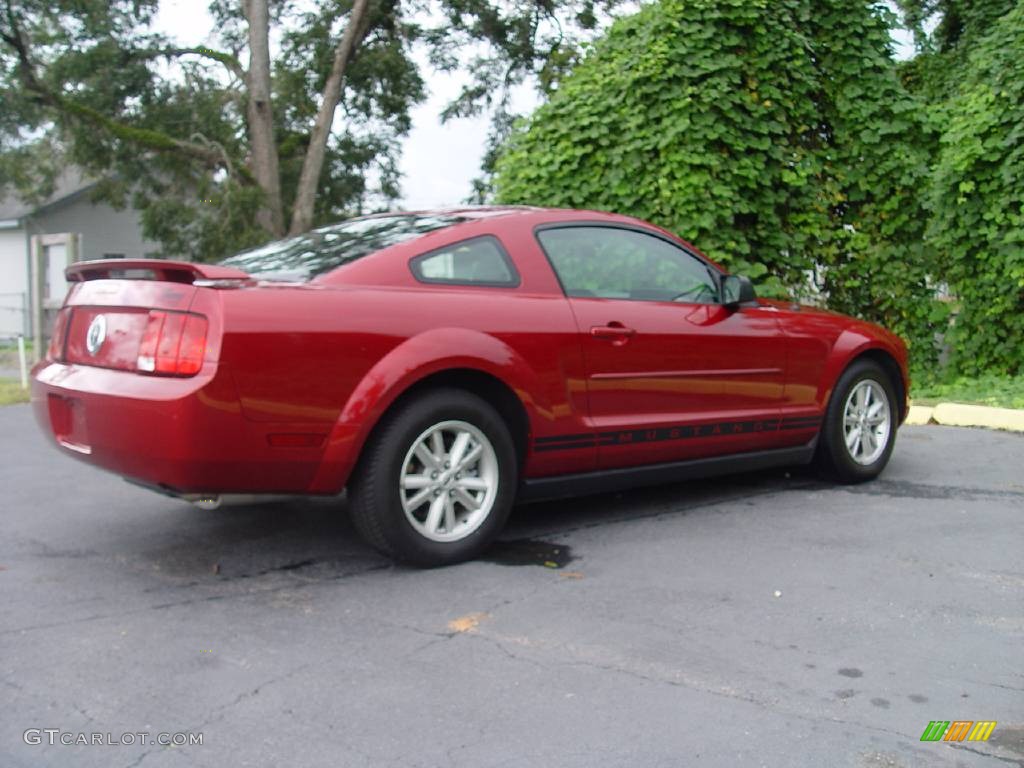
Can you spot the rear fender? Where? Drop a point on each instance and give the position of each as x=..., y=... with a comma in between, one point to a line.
x=409, y=363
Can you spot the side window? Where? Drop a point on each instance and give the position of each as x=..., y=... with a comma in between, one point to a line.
x=610, y=263
x=481, y=261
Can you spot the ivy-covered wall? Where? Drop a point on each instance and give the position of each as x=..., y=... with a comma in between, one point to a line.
x=976, y=198
x=780, y=138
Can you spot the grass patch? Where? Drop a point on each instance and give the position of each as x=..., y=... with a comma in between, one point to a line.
x=11, y=392
x=989, y=389
x=9, y=354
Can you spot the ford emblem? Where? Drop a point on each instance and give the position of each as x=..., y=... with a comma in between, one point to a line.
x=96, y=334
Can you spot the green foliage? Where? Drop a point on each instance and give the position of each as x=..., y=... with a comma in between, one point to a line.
x=945, y=32
x=12, y=393
x=956, y=23
x=993, y=389
x=777, y=136
x=977, y=199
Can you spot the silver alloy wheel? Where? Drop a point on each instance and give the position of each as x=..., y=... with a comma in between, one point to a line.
x=449, y=481
x=867, y=422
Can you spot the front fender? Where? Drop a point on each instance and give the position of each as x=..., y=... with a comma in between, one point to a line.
x=851, y=344
x=410, y=362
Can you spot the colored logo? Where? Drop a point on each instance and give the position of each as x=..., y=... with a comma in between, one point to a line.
x=958, y=730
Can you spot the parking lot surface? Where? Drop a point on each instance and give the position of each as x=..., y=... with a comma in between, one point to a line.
x=765, y=619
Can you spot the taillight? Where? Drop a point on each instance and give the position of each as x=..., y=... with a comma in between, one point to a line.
x=173, y=344
x=55, y=351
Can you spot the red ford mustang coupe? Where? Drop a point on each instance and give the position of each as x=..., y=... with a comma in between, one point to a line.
x=441, y=365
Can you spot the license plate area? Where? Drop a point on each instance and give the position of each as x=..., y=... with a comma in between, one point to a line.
x=67, y=417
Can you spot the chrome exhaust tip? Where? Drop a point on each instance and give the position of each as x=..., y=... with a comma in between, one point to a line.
x=207, y=502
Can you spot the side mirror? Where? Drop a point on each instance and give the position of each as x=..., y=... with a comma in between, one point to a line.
x=737, y=290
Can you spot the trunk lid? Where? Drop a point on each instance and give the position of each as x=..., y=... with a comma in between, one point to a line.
x=133, y=315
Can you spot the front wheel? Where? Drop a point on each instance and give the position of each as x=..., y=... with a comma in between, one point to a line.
x=437, y=479
x=860, y=424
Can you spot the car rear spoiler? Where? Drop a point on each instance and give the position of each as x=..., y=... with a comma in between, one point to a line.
x=151, y=269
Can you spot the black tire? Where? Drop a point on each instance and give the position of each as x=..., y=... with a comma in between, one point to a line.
x=833, y=458
x=375, y=504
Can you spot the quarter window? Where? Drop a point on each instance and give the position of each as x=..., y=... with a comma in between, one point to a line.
x=481, y=261
x=612, y=263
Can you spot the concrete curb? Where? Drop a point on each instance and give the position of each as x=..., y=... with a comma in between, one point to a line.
x=919, y=415
x=961, y=415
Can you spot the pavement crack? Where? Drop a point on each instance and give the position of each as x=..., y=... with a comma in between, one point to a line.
x=1010, y=760
x=218, y=712
x=514, y=656
x=137, y=761
x=83, y=713
x=998, y=685
x=14, y=685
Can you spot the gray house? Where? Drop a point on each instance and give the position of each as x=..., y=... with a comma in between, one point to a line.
x=99, y=231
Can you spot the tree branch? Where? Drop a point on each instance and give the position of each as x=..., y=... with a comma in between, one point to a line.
x=232, y=63
x=142, y=137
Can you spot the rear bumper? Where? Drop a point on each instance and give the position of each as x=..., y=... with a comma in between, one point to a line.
x=183, y=435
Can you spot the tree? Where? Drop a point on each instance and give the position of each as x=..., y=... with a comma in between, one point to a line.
x=775, y=135
x=223, y=148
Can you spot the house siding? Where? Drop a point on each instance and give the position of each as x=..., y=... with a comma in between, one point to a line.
x=14, y=286
x=103, y=229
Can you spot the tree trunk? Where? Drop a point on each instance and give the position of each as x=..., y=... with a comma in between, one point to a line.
x=260, y=113
x=313, y=162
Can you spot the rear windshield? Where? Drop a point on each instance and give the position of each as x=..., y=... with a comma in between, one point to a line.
x=321, y=250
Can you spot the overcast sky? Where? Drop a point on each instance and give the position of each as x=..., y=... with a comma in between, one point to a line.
x=438, y=161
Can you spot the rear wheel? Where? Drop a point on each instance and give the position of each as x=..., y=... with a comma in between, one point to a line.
x=437, y=479
x=860, y=424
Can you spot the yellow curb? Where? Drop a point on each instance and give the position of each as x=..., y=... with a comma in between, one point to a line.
x=960, y=415
x=919, y=414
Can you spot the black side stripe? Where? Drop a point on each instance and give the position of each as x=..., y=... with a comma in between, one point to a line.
x=564, y=446
x=803, y=423
x=680, y=432
x=563, y=438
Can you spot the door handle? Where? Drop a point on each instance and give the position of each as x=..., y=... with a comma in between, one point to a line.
x=614, y=332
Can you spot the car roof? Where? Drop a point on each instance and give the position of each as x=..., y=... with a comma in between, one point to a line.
x=473, y=211
x=538, y=214
x=490, y=211
x=541, y=215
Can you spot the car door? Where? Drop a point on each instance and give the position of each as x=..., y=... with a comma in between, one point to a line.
x=672, y=374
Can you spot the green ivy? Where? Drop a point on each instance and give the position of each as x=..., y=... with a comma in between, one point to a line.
x=977, y=199
x=776, y=136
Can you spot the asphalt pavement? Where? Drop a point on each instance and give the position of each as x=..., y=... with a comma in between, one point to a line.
x=753, y=620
